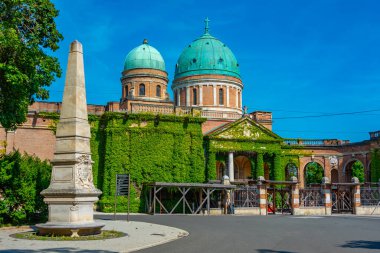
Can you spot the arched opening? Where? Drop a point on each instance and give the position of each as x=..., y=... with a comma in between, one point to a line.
x=221, y=98
x=158, y=91
x=126, y=90
x=220, y=170
x=314, y=173
x=176, y=97
x=142, y=89
x=334, y=176
x=354, y=168
x=291, y=170
x=369, y=179
x=195, y=96
x=267, y=174
x=242, y=168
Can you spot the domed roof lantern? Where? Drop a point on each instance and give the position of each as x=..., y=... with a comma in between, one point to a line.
x=207, y=56
x=144, y=57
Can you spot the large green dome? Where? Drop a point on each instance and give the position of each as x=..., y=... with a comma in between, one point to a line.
x=144, y=56
x=207, y=55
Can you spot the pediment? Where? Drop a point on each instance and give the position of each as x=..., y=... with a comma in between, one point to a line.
x=244, y=129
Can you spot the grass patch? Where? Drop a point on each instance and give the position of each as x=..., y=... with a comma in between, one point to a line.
x=105, y=234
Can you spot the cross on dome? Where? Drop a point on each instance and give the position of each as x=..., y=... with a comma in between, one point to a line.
x=206, y=25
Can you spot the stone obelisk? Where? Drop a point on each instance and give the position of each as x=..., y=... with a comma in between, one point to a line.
x=71, y=193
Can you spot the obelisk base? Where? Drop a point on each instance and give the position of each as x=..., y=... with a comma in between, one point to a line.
x=70, y=215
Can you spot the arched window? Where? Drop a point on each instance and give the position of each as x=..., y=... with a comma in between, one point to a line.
x=142, y=89
x=195, y=96
x=158, y=91
x=126, y=91
x=221, y=98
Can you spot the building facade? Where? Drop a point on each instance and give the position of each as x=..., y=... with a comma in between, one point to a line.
x=207, y=84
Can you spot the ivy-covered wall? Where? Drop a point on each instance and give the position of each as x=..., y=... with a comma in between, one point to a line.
x=375, y=165
x=151, y=148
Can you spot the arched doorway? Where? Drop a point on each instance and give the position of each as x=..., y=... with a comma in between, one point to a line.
x=314, y=173
x=220, y=170
x=242, y=168
x=368, y=178
x=354, y=168
x=267, y=174
x=291, y=170
x=334, y=176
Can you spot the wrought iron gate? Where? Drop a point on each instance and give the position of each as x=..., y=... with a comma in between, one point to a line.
x=341, y=198
x=279, y=199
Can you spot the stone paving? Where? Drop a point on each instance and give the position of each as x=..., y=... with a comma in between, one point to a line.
x=140, y=235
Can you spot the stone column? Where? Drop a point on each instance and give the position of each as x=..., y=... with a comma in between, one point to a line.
x=188, y=96
x=262, y=189
x=231, y=166
x=227, y=96
x=178, y=97
x=356, y=193
x=214, y=89
x=237, y=99
x=241, y=98
x=326, y=191
x=200, y=95
x=295, y=196
x=71, y=193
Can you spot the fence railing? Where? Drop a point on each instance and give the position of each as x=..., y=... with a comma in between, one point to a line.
x=311, y=197
x=246, y=196
x=370, y=195
x=315, y=142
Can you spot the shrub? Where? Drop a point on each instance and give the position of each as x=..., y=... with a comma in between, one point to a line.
x=22, y=178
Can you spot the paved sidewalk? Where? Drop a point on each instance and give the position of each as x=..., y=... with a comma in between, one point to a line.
x=140, y=235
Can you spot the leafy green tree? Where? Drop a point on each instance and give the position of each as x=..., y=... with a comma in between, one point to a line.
x=314, y=173
x=27, y=33
x=358, y=171
x=22, y=178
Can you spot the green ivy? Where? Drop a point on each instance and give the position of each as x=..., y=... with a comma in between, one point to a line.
x=151, y=148
x=259, y=165
x=375, y=165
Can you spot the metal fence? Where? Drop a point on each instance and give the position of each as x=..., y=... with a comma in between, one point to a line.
x=246, y=196
x=311, y=197
x=370, y=195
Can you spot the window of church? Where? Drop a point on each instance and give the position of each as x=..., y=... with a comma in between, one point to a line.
x=195, y=97
x=142, y=89
x=221, y=97
x=158, y=91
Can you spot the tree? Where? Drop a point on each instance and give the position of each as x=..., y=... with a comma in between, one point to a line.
x=358, y=171
x=27, y=33
x=314, y=173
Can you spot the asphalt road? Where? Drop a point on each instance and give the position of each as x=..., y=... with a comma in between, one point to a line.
x=270, y=234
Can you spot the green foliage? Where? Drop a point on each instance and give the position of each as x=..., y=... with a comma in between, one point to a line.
x=22, y=178
x=259, y=165
x=279, y=171
x=358, y=171
x=313, y=173
x=375, y=165
x=152, y=148
x=253, y=167
x=27, y=32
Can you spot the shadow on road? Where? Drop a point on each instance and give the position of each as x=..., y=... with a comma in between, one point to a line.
x=361, y=244
x=55, y=250
x=273, y=251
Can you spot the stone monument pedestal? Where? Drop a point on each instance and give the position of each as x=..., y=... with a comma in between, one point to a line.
x=71, y=194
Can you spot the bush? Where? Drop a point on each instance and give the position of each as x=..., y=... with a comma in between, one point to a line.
x=22, y=178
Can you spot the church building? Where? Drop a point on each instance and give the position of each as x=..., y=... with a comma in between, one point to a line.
x=207, y=85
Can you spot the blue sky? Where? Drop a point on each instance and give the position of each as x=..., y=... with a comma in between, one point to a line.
x=297, y=58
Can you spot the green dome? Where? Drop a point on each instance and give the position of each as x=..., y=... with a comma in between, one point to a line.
x=144, y=56
x=207, y=55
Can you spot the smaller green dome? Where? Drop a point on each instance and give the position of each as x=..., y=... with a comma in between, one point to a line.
x=144, y=56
